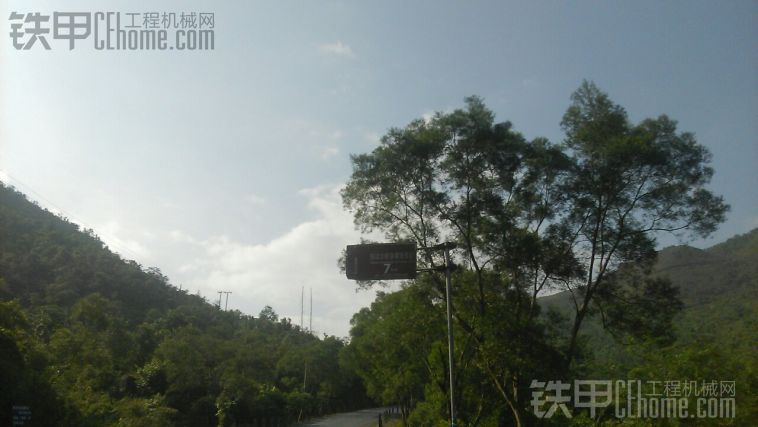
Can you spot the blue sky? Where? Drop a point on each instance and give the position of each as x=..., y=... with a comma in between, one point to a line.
x=222, y=167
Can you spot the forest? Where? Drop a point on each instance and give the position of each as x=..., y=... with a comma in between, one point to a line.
x=91, y=339
x=558, y=278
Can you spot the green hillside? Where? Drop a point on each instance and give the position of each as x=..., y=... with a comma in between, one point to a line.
x=716, y=331
x=702, y=275
x=719, y=283
x=88, y=338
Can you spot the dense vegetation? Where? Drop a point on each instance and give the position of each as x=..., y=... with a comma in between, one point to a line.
x=87, y=338
x=715, y=339
x=581, y=218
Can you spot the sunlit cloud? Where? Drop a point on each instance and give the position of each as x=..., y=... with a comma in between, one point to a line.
x=110, y=233
x=427, y=116
x=275, y=273
x=338, y=49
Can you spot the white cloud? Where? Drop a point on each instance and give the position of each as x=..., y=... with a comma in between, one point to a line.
x=191, y=268
x=275, y=272
x=372, y=138
x=328, y=152
x=312, y=131
x=255, y=199
x=427, y=116
x=321, y=140
x=338, y=49
x=182, y=237
x=110, y=233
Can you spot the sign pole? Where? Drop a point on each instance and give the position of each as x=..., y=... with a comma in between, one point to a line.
x=448, y=295
x=397, y=261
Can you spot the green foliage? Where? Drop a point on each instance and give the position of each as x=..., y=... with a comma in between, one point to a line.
x=628, y=183
x=716, y=330
x=88, y=339
x=390, y=345
x=527, y=217
x=399, y=347
x=134, y=412
x=24, y=372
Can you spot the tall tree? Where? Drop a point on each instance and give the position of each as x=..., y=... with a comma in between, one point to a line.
x=462, y=177
x=628, y=183
x=532, y=215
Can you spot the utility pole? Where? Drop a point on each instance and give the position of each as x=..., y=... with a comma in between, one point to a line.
x=305, y=374
x=227, y=299
x=448, y=285
x=310, y=318
x=448, y=268
x=302, y=298
x=359, y=266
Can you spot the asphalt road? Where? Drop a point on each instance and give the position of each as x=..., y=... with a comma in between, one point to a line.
x=363, y=418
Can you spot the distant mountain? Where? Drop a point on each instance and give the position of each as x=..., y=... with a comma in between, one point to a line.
x=706, y=275
x=702, y=275
x=719, y=289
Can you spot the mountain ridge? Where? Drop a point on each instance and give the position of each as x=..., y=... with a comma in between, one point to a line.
x=690, y=269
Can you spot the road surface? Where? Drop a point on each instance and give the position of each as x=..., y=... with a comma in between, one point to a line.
x=363, y=418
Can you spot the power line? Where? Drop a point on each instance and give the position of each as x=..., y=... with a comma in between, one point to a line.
x=74, y=219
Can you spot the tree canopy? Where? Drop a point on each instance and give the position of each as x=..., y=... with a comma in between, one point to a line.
x=536, y=216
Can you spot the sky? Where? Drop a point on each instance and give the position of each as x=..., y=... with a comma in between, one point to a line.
x=223, y=167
